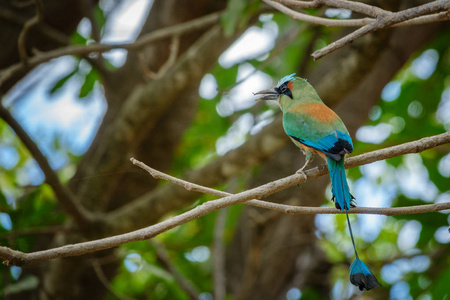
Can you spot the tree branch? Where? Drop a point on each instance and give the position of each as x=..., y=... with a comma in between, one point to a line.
x=155, y=36
x=383, y=18
x=411, y=147
x=383, y=22
x=13, y=257
x=68, y=201
x=318, y=20
x=27, y=27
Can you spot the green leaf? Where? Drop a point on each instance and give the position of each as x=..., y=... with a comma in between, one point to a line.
x=88, y=85
x=60, y=83
x=78, y=39
x=99, y=17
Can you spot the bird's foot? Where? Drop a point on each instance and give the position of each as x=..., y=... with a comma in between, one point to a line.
x=302, y=172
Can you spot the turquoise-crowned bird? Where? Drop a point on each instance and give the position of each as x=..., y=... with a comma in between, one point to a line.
x=316, y=129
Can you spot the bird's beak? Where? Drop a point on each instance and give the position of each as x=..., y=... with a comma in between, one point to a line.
x=270, y=95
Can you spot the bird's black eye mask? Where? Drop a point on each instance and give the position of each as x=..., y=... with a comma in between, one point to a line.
x=284, y=90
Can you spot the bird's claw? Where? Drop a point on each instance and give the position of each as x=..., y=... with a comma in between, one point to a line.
x=301, y=172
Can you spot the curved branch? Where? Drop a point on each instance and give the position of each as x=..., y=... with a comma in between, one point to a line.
x=318, y=20
x=383, y=22
x=411, y=147
x=13, y=257
x=68, y=201
x=155, y=36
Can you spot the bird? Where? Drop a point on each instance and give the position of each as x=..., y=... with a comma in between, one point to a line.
x=316, y=129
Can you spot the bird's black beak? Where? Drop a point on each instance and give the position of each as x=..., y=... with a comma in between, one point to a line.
x=269, y=95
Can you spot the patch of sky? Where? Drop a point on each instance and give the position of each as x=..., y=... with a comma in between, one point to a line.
x=123, y=26
x=409, y=235
x=63, y=115
x=340, y=13
x=241, y=97
x=9, y=157
x=84, y=28
x=376, y=188
x=423, y=66
x=419, y=263
x=293, y=294
x=198, y=254
x=208, y=87
x=391, y=91
x=236, y=134
x=444, y=166
x=443, y=111
x=374, y=134
x=413, y=179
x=442, y=235
x=205, y=296
x=371, y=195
x=325, y=224
x=391, y=273
x=133, y=262
x=5, y=221
x=443, y=198
x=255, y=42
x=262, y=120
x=400, y=291
x=30, y=174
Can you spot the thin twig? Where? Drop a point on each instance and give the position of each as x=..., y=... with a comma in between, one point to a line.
x=145, y=40
x=383, y=22
x=302, y=4
x=411, y=147
x=358, y=7
x=164, y=259
x=68, y=201
x=21, y=42
x=170, y=62
x=14, y=257
x=319, y=20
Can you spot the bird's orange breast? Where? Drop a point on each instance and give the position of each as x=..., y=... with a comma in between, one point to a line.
x=318, y=111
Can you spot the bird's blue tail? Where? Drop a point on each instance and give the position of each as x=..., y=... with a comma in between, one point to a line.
x=339, y=187
x=360, y=274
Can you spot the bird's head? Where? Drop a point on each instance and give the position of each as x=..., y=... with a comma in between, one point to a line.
x=290, y=90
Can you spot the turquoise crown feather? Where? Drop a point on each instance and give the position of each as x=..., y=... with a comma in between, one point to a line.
x=286, y=79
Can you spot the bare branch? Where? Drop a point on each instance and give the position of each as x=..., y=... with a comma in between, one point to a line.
x=68, y=201
x=318, y=20
x=27, y=27
x=155, y=36
x=170, y=62
x=358, y=7
x=290, y=209
x=13, y=257
x=383, y=22
x=302, y=4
